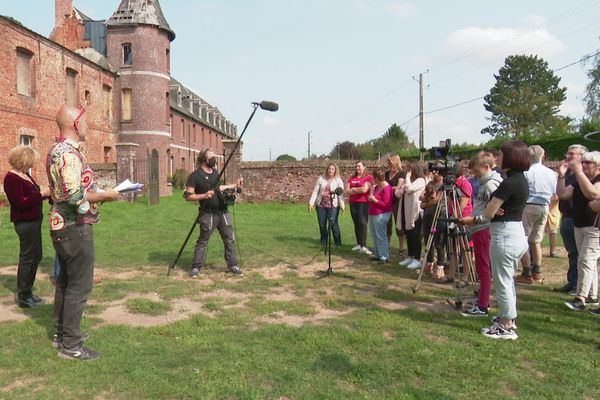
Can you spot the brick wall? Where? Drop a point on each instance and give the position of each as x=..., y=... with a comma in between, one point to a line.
x=34, y=115
x=287, y=182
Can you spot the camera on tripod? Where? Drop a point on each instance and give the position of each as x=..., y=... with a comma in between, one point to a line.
x=228, y=196
x=446, y=162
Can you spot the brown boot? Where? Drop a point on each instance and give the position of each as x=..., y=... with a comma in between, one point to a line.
x=537, y=277
x=524, y=280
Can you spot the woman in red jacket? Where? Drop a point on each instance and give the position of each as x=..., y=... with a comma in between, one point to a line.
x=25, y=198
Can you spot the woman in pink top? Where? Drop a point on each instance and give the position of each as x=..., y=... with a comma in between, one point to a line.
x=380, y=212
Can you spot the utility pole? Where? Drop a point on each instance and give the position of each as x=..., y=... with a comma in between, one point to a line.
x=269, y=154
x=421, y=120
x=309, y=132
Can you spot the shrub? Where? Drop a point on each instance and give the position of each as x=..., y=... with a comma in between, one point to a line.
x=179, y=179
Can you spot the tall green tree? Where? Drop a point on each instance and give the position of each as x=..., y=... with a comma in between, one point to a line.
x=592, y=90
x=526, y=98
x=394, y=139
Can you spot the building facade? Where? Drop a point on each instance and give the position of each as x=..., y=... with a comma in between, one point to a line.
x=119, y=69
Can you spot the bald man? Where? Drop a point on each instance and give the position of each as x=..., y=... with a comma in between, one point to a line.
x=75, y=198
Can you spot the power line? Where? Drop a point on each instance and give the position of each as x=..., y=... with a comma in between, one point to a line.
x=462, y=103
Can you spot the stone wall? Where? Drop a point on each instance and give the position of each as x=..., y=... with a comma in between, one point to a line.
x=105, y=175
x=287, y=181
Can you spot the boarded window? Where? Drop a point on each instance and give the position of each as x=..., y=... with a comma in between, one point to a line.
x=126, y=99
x=107, y=152
x=182, y=129
x=107, y=102
x=171, y=125
x=24, y=73
x=72, y=95
x=127, y=54
x=168, y=54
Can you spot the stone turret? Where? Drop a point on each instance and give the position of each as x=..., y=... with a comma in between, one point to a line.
x=138, y=46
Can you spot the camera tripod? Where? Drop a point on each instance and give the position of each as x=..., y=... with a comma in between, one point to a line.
x=457, y=244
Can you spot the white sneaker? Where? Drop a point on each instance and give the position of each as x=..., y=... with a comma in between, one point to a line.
x=366, y=251
x=406, y=262
x=358, y=247
x=415, y=264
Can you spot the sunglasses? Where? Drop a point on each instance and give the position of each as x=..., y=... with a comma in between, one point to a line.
x=76, y=122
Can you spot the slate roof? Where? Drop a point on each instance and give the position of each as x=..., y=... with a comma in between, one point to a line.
x=132, y=12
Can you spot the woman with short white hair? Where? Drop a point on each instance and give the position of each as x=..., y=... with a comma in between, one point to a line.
x=587, y=235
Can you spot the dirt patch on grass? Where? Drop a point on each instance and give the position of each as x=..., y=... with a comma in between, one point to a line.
x=11, y=313
x=19, y=384
x=118, y=314
x=8, y=270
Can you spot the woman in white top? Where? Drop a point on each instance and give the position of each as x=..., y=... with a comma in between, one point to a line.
x=410, y=213
x=328, y=202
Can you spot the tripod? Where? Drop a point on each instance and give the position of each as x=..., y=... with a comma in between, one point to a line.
x=265, y=105
x=457, y=243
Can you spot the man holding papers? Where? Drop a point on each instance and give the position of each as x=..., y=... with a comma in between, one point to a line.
x=203, y=186
x=75, y=198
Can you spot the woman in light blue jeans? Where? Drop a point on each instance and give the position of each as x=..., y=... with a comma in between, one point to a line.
x=507, y=235
x=508, y=243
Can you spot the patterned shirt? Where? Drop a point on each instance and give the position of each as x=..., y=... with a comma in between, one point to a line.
x=70, y=178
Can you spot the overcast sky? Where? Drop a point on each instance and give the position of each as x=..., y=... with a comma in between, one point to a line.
x=343, y=68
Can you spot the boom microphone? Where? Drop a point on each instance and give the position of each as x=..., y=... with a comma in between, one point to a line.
x=339, y=191
x=268, y=105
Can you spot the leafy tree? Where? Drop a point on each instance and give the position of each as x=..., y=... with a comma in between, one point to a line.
x=344, y=151
x=394, y=139
x=525, y=98
x=592, y=90
x=286, y=157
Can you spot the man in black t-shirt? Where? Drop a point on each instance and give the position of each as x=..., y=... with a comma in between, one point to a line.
x=203, y=186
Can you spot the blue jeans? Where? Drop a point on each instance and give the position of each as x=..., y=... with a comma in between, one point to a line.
x=56, y=267
x=378, y=227
x=508, y=244
x=322, y=216
x=567, y=232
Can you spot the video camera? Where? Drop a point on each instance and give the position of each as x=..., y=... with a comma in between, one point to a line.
x=446, y=162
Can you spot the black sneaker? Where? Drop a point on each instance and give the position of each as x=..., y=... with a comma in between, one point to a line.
x=36, y=299
x=563, y=289
x=57, y=339
x=194, y=273
x=576, y=304
x=499, y=331
x=595, y=312
x=592, y=302
x=82, y=354
x=235, y=270
x=475, y=311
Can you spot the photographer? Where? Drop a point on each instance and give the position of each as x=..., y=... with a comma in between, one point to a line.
x=584, y=192
x=328, y=203
x=203, y=186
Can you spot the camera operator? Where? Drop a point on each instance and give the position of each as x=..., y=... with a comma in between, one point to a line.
x=465, y=204
x=203, y=186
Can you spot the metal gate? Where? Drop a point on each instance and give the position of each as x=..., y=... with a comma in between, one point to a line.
x=153, y=186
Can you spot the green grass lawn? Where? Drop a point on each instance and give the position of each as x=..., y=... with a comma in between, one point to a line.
x=278, y=332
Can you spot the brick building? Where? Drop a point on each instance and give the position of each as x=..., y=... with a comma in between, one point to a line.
x=120, y=70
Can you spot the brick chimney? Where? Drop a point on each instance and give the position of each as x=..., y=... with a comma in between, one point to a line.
x=62, y=10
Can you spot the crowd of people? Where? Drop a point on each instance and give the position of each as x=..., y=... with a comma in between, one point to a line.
x=507, y=198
